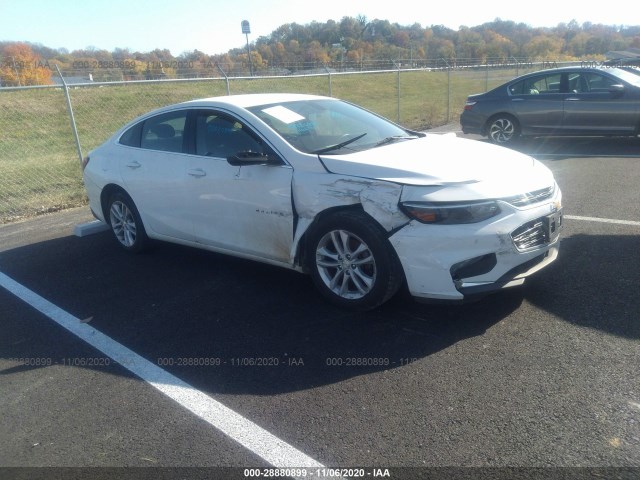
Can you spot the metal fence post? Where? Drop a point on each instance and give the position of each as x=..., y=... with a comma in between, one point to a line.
x=225, y=77
x=448, y=91
x=15, y=69
x=329, y=74
x=397, y=65
x=71, y=117
x=486, y=77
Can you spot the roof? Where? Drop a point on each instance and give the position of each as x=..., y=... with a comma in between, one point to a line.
x=250, y=100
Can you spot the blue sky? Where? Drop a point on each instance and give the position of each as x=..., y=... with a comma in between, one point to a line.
x=213, y=26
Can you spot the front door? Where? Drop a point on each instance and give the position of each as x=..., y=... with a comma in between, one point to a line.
x=245, y=209
x=593, y=106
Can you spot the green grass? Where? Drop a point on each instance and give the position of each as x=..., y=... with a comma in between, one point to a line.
x=39, y=164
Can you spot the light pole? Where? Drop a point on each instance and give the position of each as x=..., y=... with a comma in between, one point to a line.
x=246, y=29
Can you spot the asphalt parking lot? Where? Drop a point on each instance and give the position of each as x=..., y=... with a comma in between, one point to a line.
x=535, y=378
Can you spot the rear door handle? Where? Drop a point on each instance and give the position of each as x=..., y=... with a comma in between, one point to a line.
x=572, y=99
x=133, y=165
x=196, y=172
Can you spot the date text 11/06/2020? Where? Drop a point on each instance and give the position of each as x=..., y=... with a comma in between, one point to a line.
x=272, y=361
x=323, y=472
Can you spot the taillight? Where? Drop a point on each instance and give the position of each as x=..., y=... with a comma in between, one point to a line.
x=469, y=104
x=85, y=162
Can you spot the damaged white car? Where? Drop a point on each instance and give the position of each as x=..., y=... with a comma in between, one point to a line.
x=322, y=186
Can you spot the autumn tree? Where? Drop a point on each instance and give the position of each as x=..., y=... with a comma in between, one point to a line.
x=544, y=46
x=20, y=66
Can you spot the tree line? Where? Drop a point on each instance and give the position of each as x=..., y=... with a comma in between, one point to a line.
x=350, y=41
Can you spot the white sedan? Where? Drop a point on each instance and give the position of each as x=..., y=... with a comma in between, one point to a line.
x=324, y=187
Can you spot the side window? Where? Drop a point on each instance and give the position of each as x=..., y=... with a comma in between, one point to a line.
x=517, y=88
x=537, y=85
x=576, y=83
x=545, y=84
x=164, y=132
x=131, y=137
x=221, y=136
x=595, y=82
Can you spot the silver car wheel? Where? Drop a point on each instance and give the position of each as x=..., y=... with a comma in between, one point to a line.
x=502, y=130
x=123, y=224
x=346, y=264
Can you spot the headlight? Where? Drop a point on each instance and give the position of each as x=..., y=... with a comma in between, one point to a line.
x=450, y=213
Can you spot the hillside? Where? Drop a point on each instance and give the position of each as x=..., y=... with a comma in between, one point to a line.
x=348, y=43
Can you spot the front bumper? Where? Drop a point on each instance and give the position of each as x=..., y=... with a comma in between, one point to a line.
x=514, y=277
x=459, y=262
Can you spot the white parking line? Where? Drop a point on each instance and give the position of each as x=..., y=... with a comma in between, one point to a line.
x=256, y=439
x=602, y=220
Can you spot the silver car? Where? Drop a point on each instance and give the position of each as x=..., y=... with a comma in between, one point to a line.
x=571, y=101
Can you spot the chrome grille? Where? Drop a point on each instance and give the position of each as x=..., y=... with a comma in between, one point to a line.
x=531, y=234
x=530, y=198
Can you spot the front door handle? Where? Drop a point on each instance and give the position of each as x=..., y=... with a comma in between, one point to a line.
x=133, y=165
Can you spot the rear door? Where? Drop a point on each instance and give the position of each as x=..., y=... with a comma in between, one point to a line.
x=152, y=166
x=538, y=103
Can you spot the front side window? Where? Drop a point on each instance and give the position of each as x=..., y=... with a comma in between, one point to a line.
x=591, y=82
x=221, y=136
x=164, y=132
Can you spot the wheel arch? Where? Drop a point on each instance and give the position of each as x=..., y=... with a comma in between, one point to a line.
x=301, y=257
x=107, y=192
x=364, y=228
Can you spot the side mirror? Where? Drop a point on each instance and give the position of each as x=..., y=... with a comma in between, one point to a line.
x=252, y=158
x=617, y=88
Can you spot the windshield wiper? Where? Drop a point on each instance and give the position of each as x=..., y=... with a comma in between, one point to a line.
x=395, y=138
x=339, y=145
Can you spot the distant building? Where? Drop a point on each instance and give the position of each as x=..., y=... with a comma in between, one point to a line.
x=629, y=57
x=72, y=80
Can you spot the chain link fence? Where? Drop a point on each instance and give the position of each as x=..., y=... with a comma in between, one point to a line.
x=40, y=152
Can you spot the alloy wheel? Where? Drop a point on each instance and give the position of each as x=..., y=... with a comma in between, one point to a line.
x=346, y=264
x=123, y=224
x=502, y=130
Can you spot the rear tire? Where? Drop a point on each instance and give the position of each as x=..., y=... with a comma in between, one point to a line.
x=352, y=263
x=503, y=129
x=126, y=224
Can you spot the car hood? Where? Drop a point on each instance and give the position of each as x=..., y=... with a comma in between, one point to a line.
x=438, y=160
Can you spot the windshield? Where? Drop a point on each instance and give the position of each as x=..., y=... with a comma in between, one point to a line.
x=329, y=126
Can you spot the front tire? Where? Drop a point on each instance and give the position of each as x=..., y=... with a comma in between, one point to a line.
x=503, y=130
x=126, y=224
x=352, y=263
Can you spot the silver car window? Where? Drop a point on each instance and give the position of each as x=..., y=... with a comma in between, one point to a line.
x=222, y=136
x=164, y=132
